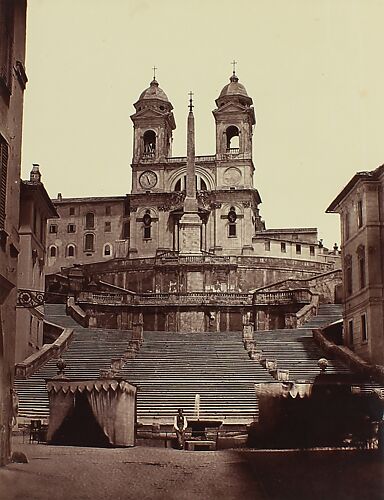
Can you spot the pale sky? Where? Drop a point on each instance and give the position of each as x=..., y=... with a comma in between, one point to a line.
x=313, y=68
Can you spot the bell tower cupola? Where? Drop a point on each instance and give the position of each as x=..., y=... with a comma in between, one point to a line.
x=235, y=118
x=153, y=125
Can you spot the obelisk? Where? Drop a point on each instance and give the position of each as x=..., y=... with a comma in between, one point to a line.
x=190, y=222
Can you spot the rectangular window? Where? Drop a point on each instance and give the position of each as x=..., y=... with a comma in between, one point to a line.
x=90, y=220
x=364, y=332
x=362, y=271
x=108, y=210
x=359, y=213
x=126, y=231
x=298, y=249
x=312, y=251
x=6, y=44
x=349, y=279
x=231, y=230
x=3, y=179
x=71, y=210
x=267, y=246
x=147, y=232
x=89, y=244
x=350, y=331
x=107, y=227
x=53, y=228
x=71, y=228
x=283, y=247
x=346, y=226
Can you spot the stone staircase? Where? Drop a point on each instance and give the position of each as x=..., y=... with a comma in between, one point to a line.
x=327, y=314
x=295, y=350
x=90, y=351
x=171, y=368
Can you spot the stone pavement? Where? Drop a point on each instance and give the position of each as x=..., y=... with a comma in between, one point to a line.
x=143, y=472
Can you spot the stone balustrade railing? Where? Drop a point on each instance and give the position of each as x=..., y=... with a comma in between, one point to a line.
x=228, y=298
x=281, y=297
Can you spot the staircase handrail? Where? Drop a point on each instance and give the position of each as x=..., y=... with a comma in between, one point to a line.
x=76, y=313
x=308, y=311
x=304, y=281
x=348, y=357
x=25, y=369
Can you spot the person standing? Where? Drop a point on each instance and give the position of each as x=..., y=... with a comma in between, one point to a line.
x=180, y=424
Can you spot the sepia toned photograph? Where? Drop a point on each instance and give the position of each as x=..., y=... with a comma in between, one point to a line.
x=191, y=250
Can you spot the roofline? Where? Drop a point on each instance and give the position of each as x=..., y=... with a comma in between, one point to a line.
x=291, y=230
x=368, y=176
x=39, y=187
x=90, y=199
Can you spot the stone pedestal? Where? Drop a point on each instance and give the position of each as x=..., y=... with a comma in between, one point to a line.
x=190, y=234
x=137, y=331
x=248, y=332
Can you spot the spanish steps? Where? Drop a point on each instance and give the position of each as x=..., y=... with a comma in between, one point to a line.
x=171, y=368
x=296, y=351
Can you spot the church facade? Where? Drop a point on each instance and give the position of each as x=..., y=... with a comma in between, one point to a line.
x=190, y=224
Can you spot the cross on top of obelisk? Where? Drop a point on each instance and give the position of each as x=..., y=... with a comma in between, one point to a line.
x=190, y=101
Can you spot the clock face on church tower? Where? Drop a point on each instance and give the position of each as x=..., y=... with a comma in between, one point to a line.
x=148, y=179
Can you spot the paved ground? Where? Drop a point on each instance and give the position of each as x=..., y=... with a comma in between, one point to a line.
x=58, y=473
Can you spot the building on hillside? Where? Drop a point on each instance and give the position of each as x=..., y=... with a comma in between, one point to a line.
x=35, y=208
x=88, y=230
x=361, y=208
x=12, y=84
x=191, y=224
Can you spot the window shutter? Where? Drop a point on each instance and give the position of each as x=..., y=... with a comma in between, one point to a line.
x=3, y=180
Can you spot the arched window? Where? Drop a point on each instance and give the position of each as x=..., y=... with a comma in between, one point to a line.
x=232, y=217
x=147, y=221
x=90, y=220
x=233, y=143
x=178, y=186
x=89, y=243
x=149, y=143
x=53, y=251
x=107, y=250
x=201, y=185
x=70, y=250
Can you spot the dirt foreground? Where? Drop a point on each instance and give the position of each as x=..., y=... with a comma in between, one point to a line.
x=143, y=472
x=71, y=473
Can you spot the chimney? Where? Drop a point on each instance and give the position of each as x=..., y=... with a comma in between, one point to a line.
x=35, y=174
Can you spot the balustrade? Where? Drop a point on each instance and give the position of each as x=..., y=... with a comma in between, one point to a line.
x=301, y=296
x=228, y=298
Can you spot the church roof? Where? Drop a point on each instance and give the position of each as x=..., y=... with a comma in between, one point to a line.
x=234, y=87
x=154, y=92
